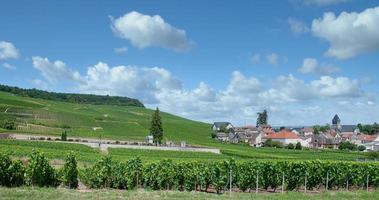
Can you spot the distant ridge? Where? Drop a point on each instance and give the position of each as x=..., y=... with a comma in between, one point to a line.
x=72, y=97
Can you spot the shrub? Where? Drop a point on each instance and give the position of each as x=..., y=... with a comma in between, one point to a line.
x=298, y=146
x=348, y=146
x=361, y=148
x=39, y=172
x=64, y=135
x=69, y=172
x=11, y=172
x=290, y=146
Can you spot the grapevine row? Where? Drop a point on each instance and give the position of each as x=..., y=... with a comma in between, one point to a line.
x=200, y=176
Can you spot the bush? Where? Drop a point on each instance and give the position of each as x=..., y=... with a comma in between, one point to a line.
x=11, y=172
x=290, y=146
x=69, y=172
x=348, y=146
x=298, y=146
x=361, y=148
x=39, y=172
x=64, y=135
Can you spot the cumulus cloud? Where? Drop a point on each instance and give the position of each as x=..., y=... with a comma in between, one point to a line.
x=297, y=26
x=146, y=31
x=311, y=65
x=349, y=34
x=286, y=96
x=53, y=71
x=142, y=83
x=8, y=66
x=8, y=51
x=121, y=50
x=273, y=58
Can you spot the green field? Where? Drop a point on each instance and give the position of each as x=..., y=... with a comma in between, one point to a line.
x=38, y=116
x=52, y=193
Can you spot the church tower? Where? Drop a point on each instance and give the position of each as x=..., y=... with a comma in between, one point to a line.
x=336, y=122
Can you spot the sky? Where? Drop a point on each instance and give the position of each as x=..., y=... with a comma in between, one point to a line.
x=302, y=60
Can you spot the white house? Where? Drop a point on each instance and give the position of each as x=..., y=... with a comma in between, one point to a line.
x=286, y=138
x=218, y=125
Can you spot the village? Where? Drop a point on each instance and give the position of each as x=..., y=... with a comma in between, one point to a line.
x=336, y=136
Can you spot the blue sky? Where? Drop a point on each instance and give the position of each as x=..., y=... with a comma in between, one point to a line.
x=302, y=60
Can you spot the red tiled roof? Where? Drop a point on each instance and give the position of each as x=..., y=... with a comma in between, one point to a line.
x=368, y=137
x=283, y=135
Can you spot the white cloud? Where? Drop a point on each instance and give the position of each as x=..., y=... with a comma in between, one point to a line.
x=146, y=31
x=320, y=2
x=311, y=65
x=297, y=26
x=337, y=87
x=142, y=83
x=121, y=50
x=287, y=97
x=349, y=34
x=53, y=71
x=8, y=66
x=8, y=51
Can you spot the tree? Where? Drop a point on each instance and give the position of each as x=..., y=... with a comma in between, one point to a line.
x=64, y=135
x=262, y=118
x=156, y=127
x=298, y=146
x=290, y=146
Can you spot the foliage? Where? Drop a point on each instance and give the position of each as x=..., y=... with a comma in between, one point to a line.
x=39, y=172
x=291, y=146
x=100, y=175
x=11, y=172
x=72, y=98
x=262, y=118
x=224, y=129
x=69, y=172
x=317, y=129
x=156, y=127
x=298, y=146
x=348, y=146
x=361, y=148
x=270, y=143
x=373, y=155
x=64, y=135
x=369, y=129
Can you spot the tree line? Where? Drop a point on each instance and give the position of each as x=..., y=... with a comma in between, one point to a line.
x=73, y=98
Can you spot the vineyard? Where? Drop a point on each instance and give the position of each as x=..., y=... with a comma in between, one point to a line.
x=212, y=176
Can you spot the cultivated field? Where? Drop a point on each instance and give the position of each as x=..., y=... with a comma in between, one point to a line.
x=28, y=193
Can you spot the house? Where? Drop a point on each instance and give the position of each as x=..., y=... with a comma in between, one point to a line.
x=217, y=126
x=372, y=146
x=324, y=140
x=284, y=137
x=222, y=136
x=266, y=129
x=255, y=139
x=306, y=131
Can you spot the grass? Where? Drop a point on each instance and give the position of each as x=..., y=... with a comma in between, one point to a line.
x=60, y=193
x=132, y=123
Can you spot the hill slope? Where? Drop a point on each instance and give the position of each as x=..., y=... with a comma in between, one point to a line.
x=110, y=121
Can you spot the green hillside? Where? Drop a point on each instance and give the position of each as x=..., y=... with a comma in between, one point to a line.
x=39, y=116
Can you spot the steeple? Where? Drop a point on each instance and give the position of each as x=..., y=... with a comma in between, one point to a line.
x=336, y=120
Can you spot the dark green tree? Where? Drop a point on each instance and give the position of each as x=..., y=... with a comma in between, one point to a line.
x=298, y=146
x=156, y=127
x=262, y=118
